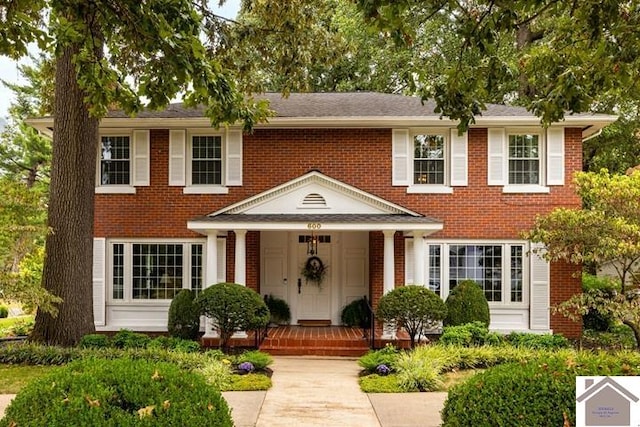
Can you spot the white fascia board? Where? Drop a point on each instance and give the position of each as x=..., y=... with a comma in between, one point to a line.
x=204, y=227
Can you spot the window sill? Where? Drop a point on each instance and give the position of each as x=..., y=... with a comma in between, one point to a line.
x=429, y=189
x=205, y=190
x=115, y=189
x=525, y=189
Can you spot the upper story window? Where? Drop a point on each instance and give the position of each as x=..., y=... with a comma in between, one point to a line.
x=524, y=159
x=123, y=161
x=429, y=159
x=115, y=160
x=205, y=162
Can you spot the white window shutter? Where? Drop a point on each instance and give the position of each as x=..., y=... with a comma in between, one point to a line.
x=459, y=168
x=496, y=166
x=540, y=282
x=141, y=148
x=177, y=148
x=99, y=281
x=401, y=153
x=408, y=261
x=555, y=156
x=234, y=158
x=222, y=261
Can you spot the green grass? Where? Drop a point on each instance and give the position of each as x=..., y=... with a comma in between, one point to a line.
x=14, y=377
x=249, y=382
x=8, y=322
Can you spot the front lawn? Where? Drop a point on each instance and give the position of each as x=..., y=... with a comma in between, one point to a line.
x=14, y=377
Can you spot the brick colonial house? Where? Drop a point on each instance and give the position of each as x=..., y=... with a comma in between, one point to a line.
x=378, y=186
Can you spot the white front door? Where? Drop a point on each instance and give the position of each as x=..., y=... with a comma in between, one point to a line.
x=314, y=300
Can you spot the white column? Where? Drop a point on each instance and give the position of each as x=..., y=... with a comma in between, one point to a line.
x=210, y=278
x=418, y=258
x=389, y=328
x=241, y=257
x=241, y=266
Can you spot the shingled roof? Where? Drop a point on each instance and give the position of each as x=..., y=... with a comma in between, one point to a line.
x=337, y=104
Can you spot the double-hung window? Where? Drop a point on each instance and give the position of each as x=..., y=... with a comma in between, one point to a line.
x=206, y=160
x=429, y=159
x=115, y=160
x=524, y=159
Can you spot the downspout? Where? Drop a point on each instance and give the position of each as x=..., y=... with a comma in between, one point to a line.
x=592, y=136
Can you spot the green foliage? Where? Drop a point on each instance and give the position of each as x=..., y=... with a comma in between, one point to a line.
x=374, y=358
x=173, y=343
x=125, y=338
x=617, y=338
x=184, y=318
x=119, y=393
x=232, y=308
x=249, y=382
x=466, y=303
x=260, y=360
x=380, y=384
x=279, y=310
x=94, y=341
x=592, y=319
x=415, y=308
x=537, y=341
x=470, y=334
x=217, y=373
x=507, y=395
x=4, y=311
x=417, y=373
x=356, y=314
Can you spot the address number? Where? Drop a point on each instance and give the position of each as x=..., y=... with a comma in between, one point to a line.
x=314, y=226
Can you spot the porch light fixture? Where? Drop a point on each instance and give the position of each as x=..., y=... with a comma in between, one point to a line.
x=312, y=244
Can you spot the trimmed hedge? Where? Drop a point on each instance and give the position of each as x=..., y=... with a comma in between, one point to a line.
x=535, y=393
x=466, y=303
x=121, y=392
x=184, y=318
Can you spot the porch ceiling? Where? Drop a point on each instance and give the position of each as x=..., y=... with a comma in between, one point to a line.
x=325, y=222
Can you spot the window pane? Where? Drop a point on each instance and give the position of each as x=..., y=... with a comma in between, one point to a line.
x=206, y=160
x=118, y=271
x=196, y=268
x=480, y=263
x=157, y=271
x=524, y=161
x=434, y=268
x=516, y=273
x=115, y=160
x=428, y=164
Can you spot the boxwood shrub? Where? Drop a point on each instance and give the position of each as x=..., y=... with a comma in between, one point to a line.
x=120, y=392
x=466, y=303
x=535, y=393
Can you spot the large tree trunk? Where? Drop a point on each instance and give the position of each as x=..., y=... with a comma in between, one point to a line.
x=69, y=248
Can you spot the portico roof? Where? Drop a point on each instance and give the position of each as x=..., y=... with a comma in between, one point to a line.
x=318, y=202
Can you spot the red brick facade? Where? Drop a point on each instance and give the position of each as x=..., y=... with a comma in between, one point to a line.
x=357, y=157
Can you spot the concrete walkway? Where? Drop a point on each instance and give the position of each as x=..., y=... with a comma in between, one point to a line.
x=313, y=391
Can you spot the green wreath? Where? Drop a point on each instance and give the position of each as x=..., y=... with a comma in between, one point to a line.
x=314, y=270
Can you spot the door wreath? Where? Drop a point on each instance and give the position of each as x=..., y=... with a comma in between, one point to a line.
x=314, y=270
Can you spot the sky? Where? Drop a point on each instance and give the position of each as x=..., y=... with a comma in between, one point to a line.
x=9, y=68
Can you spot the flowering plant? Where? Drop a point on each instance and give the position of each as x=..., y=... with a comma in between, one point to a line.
x=383, y=369
x=314, y=270
x=246, y=367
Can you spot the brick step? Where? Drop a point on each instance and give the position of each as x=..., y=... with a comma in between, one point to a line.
x=326, y=343
x=315, y=351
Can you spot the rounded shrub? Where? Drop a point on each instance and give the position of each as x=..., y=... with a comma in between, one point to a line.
x=184, y=317
x=232, y=308
x=540, y=392
x=121, y=392
x=94, y=341
x=125, y=338
x=4, y=311
x=415, y=308
x=466, y=303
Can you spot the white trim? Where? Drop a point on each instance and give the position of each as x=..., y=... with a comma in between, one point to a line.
x=525, y=188
x=204, y=227
x=115, y=189
x=429, y=189
x=555, y=156
x=542, y=155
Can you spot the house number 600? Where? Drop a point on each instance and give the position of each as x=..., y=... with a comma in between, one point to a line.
x=314, y=226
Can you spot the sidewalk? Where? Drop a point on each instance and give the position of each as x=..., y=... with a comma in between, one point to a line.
x=315, y=391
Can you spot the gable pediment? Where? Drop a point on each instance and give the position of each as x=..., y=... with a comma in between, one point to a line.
x=314, y=193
